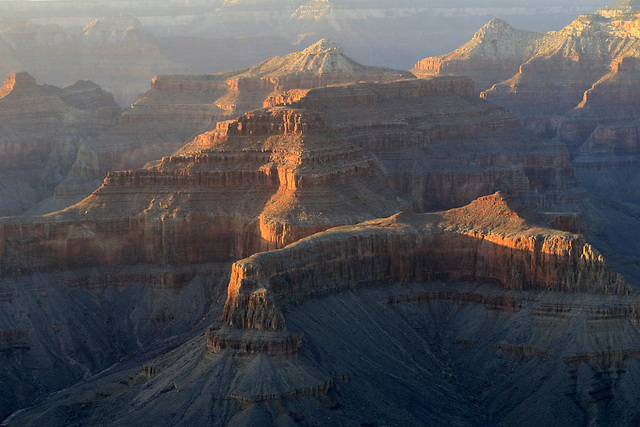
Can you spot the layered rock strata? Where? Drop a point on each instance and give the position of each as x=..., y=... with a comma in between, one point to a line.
x=259, y=182
x=578, y=86
x=42, y=128
x=494, y=54
x=316, y=159
x=543, y=77
x=436, y=141
x=179, y=107
x=276, y=175
x=492, y=240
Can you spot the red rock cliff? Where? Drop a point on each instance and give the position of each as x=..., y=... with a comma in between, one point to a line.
x=492, y=240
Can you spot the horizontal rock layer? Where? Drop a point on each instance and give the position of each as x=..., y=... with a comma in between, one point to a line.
x=422, y=143
x=42, y=128
x=177, y=108
x=491, y=240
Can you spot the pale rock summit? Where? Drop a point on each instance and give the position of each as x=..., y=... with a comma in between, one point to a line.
x=113, y=30
x=493, y=54
x=323, y=57
x=323, y=46
x=497, y=40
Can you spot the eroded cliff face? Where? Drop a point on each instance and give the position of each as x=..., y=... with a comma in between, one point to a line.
x=275, y=175
x=353, y=280
x=311, y=160
x=423, y=122
x=42, y=128
x=577, y=85
x=177, y=108
x=492, y=240
x=543, y=77
x=258, y=182
x=494, y=54
x=315, y=328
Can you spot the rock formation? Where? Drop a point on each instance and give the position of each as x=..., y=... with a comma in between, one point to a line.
x=259, y=182
x=577, y=85
x=42, y=128
x=275, y=175
x=491, y=240
x=542, y=77
x=312, y=160
x=151, y=250
x=423, y=124
x=494, y=54
x=179, y=107
x=342, y=322
x=105, y=51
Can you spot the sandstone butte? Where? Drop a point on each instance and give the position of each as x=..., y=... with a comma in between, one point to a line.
x=42, y=128
x=491, y=240
x=279, y=301
x=179, y=107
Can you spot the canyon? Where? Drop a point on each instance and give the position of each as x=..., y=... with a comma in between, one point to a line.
x=43, y=127
x=575, y=86
x=60, y=41
x=178, y=107
x=136, y=254
x=311, y=241
x=384, y=306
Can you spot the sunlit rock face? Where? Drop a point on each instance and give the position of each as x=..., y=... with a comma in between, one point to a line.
x=293, y=316
x=576, y=85
x=542, y=77
x=423, y=122
x=315, y=161
x=42, y=128
x=179, y=107
x=491, y=240
x=259, y=182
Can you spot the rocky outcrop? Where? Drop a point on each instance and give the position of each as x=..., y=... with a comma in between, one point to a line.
x=276, y=175
x=494, y=54
x=543, y=77
x=258, y=182
x=42, y=128
x=428, y=120
x=179, y=107
x=492, y=240
x=577, y=86
x=104, y=51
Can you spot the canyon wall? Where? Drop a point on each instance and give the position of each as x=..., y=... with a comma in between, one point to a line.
x=275, y=175
x=577, y=86
x=259, y=182
x=42, y=128
x=426, y=121
x=311, y=160
x=487, y=241
x=177, y=108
